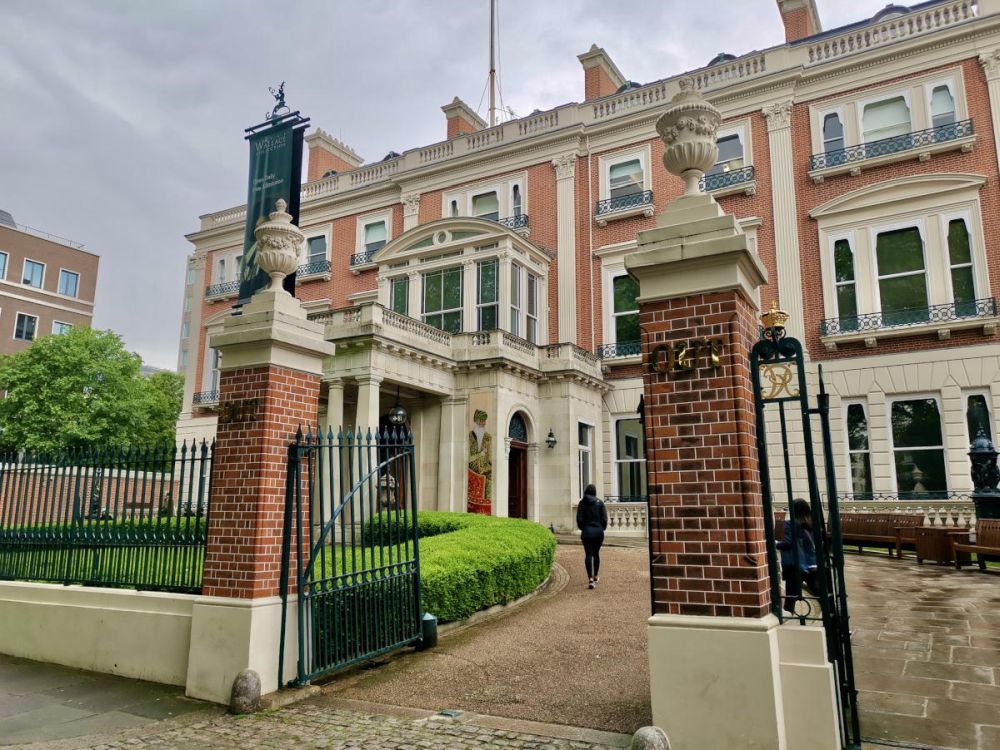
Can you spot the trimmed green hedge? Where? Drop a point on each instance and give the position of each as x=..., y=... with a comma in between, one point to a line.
x=470, y=562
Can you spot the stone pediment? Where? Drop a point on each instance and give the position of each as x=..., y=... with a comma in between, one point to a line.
x=451, y=233
x=898, y=190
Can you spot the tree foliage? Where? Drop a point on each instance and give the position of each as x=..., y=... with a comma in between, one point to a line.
x=82, y=389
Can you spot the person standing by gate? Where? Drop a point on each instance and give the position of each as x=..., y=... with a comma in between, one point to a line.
x=798, y=567
x=592, y=520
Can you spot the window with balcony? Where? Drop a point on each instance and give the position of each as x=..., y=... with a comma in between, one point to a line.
x=59, y=328
x=858, y=449
x=375, y=236
x=625, y=178
x=885, y=119
x=3, y=265
x=486, y=206
x=215, y=375
x=625, y=310
x=220, y=271
x=531, y=312
x=902, y=276
x=487, y=295
x=942, y=106
x=846, y=283
x=833, y=133
x=69, y=283
x=630, y=461
x=918, y=448
x=34, y=274
x=515, y=300
x=977, y=415
x=442, y=299
x=730, y=154
x=963, y=280
x=399, y=295
x=316, y=249
x=515, y=200
x=585, y=455
x=25, y=326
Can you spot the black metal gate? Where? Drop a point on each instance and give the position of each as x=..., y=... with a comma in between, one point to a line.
x=780, y=395
x=356, y=563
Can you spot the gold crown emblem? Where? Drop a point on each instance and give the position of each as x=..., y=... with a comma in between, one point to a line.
x=775, y=317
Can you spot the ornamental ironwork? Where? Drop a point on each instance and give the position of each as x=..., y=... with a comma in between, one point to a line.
x=310, y=269
x=518, y=430
x=514, y=222
x=619, y=349
x=911, y=316
x=359, y=259
x=625, y=202
x=721, y=180
x=218, y=290
x=894, y=145
x=205, y=397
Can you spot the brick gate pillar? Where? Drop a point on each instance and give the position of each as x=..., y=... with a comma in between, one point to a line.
x=270, y=384
x=714, y=648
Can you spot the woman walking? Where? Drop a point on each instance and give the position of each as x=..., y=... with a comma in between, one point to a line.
x=592, y=520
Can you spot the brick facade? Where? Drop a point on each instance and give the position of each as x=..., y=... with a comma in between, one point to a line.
x=706, y=519
x=243, y=556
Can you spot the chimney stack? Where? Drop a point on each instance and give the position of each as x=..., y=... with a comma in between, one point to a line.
x=800, y=17
x=327, y=153
x=461, y=118
x=601, y=76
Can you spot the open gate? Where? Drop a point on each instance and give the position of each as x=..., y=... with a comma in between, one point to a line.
x=351, y=522
x=781, y=401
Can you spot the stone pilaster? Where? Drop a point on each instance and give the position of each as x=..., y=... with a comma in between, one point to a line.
x=991, y=67
x=565, y=167
x=411, y=210
x=786, y=237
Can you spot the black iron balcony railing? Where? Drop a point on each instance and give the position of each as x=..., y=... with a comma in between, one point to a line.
x=619, y=349
x=310, y=269
x=721, y=180
x=205, y=397
x=913, y=316
x=514, y=222
x=625, y=202
x=897, y=144
x=359, y=259
x=218, y=290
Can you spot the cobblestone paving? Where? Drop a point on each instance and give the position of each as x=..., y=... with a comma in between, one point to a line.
x=312, y=725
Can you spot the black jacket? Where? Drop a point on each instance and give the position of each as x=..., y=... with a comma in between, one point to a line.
x=591, y=512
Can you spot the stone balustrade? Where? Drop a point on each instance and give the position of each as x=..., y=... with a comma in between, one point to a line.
x=627, y=519
x=956, y=513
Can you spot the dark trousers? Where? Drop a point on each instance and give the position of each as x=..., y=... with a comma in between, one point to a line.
x=793, y=585
x=593, y=538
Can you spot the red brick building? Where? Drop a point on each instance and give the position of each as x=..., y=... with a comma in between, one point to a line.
x=485, y=272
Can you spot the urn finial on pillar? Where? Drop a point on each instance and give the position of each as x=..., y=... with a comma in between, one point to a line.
x=278, y=243
x=688, y=128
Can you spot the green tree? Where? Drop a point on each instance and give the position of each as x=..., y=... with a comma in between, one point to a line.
x=166, y=394
x=81, y=389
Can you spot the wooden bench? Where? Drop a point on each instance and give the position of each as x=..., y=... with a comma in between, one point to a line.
x=892, y=530
x=987, y=543
x=906, y=530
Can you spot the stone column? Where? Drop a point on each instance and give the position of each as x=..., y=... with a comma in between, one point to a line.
x=272, y=360
x=716, y=667
x=991, y=67
x=411, y=210
x=565, y=167
x=335, y=404
x=368, y=403
x=786, y=221
x=452, y=455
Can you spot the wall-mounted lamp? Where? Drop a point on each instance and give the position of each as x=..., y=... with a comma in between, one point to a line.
x=551, y=439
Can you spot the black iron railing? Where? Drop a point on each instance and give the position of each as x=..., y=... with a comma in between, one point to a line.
x=619, y=349
x=128, y=518
x=626, y=498
x=912, y=316
x=894, y=145
x=721, y=180
x=310, y=269
x=624, y=202
x=219, y=290
x=366, y=256
x=514, y=222
x=205, y=397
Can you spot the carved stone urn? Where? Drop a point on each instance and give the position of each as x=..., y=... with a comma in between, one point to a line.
x=688, y=128
x=278, y=243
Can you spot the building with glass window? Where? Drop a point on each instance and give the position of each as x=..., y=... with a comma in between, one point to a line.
x=480, y=281
x=47, y=284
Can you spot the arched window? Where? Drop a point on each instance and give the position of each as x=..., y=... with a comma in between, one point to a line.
x=518, y=430
x=833, y=133
x=942, y=107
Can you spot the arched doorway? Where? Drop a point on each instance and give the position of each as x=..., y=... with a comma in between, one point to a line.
x=517, y=468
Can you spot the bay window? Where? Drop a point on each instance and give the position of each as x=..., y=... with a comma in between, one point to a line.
x=487, y=295
x=532, y=309
x=630, y=460
x=442, y=299
x=918, y=448
x=902, y=276
x=399, y=295
x=858, y=449
x=515, y=300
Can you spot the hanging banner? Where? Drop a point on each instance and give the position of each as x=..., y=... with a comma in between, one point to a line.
x=275, y=172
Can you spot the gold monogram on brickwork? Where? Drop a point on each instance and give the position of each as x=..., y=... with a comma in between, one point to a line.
x=683, y=356
x=780, y=378
x=243, y=410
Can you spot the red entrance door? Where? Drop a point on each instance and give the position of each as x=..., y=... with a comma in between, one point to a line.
x=517, y=481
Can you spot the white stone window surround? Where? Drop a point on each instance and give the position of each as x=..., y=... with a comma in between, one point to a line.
x=927, y=202
x=24, y=271
x=232, y=267
x=617, y=460
x=897, y=397
x=848, y=478
x=327, y=233
x=742, y=129
x=916, y=92
x=503, y=187
x=867, y=101
x=987, y=397
x=365, y=220
x=34, y=332
x=584, y=453
x=4, y=266
x=605, y=162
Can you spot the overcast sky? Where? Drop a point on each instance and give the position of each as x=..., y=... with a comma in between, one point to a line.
x=123, y=119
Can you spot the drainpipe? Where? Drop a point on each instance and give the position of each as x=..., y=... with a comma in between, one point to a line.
x=590, y=246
